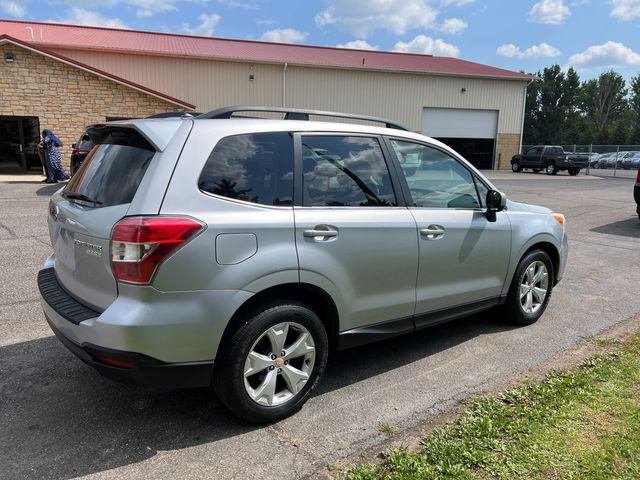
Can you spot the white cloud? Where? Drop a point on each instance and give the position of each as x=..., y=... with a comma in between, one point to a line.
x=625, y=10
x=284, y=35
x=12, y=8
x=610, y=54
x=80, y=16
x=427, y=45
x=239, y=4
x=358, y=45
x=453, y=26
x=553, y=12
x=542, y=50
x=206, y=27
x=361, y=17
x=455, y=3
x=144, y=8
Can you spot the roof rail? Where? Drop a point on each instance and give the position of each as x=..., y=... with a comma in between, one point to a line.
x=294, y=114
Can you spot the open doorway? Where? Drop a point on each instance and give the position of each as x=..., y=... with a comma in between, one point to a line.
x=19, y=137
x=479, y=151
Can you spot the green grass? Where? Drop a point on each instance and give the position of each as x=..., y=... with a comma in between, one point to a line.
x=578, y=424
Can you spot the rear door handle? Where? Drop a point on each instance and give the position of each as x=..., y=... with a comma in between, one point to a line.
x=320, y=233
x=432, y=232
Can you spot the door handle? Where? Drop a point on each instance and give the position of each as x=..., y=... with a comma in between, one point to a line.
x=320, y=233
x=432, y=232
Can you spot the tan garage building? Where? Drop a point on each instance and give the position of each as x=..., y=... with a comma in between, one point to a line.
x=64, y=77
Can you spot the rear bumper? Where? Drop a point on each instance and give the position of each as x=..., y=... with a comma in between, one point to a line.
x=146, y=371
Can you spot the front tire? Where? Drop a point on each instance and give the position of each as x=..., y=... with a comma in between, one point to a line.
x=515, y=166
x=268, y=367
x=551, y=169
x=530, y=289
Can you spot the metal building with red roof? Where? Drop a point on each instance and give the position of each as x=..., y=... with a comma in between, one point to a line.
x=475, y=108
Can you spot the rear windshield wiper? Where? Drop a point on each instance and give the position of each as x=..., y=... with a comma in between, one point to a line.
x=80, y=196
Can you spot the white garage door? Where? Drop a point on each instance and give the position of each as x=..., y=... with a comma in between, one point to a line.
x=459, y=123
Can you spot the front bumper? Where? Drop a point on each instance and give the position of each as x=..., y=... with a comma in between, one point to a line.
x=636, y=195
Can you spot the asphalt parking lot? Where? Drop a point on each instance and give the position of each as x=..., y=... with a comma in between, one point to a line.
x=59, y=419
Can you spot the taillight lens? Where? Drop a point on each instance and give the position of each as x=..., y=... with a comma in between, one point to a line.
x=638, y=177
x=140, y=244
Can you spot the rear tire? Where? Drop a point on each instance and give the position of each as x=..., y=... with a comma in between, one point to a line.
x=279, y=382
x=530, y=289
x=574, y=171
x=551, y=169
x=515, y=166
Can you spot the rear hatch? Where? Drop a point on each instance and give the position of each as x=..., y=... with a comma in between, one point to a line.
x=82, y=215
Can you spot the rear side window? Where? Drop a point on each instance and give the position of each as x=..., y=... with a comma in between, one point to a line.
x=345, y=172
x=254, y=168
x=554, y=151
x=113, y=170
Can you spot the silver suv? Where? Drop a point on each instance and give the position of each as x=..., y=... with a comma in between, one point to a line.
x=240, y=252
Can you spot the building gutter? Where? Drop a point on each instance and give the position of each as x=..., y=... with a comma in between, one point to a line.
x=284, y=84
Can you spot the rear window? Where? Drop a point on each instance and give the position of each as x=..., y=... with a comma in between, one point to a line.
x=113, y=170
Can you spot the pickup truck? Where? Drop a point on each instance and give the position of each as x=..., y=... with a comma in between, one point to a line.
x=551, y=159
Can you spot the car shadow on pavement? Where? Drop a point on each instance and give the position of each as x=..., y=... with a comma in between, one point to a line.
x=622, y=228
x=59, y=419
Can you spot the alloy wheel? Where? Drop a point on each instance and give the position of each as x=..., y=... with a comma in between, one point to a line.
x=279, y=364
x=534, y=286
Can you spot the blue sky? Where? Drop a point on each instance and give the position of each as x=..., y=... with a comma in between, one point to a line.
x=591, y=35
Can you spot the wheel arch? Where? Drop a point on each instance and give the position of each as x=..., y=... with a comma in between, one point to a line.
x=312, y=296
x=551, y=250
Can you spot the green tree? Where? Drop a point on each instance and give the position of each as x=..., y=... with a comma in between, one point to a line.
x=604, y=101
x=634, y=107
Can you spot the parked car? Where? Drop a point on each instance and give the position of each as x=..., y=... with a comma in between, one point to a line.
x=636, y=194
x=594, y=159
x=551, y=159
x=630, y=160
x=184, y=256
x=79, y=151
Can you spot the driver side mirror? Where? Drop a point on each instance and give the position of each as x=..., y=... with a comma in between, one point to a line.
x=496, y=202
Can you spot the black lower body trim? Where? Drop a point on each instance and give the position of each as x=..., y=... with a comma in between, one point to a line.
x=380, y=331
x=147, y=371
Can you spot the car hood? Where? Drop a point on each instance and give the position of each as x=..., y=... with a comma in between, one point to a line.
x=525, y=207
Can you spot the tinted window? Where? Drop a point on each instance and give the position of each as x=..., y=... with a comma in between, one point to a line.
x=85, y=142
x=534, y=151
x=254, y=168
x=345, y=172
x=554, y=151
x=435, y=178
x=113, y=170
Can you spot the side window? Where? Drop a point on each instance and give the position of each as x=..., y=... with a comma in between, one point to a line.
x=345, y=172
x=435, y=179
x=534, y=151
x=255, y=168
x=85, y=142
x=482, y=191
x=554, y=151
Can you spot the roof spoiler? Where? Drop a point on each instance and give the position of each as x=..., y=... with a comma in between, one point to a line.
x=158, y=132
x=295, y=114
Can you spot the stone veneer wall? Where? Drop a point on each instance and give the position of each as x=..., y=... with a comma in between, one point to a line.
x=508, y=146
x=66, y=98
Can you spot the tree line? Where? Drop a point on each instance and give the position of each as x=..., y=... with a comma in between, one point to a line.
x=563, y=110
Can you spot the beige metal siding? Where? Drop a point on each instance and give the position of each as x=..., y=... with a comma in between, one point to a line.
x=207, y=84
x=398, y=96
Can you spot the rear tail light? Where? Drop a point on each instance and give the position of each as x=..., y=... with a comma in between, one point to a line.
x=638, y=177
x=140, y=244
x=113, y=362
